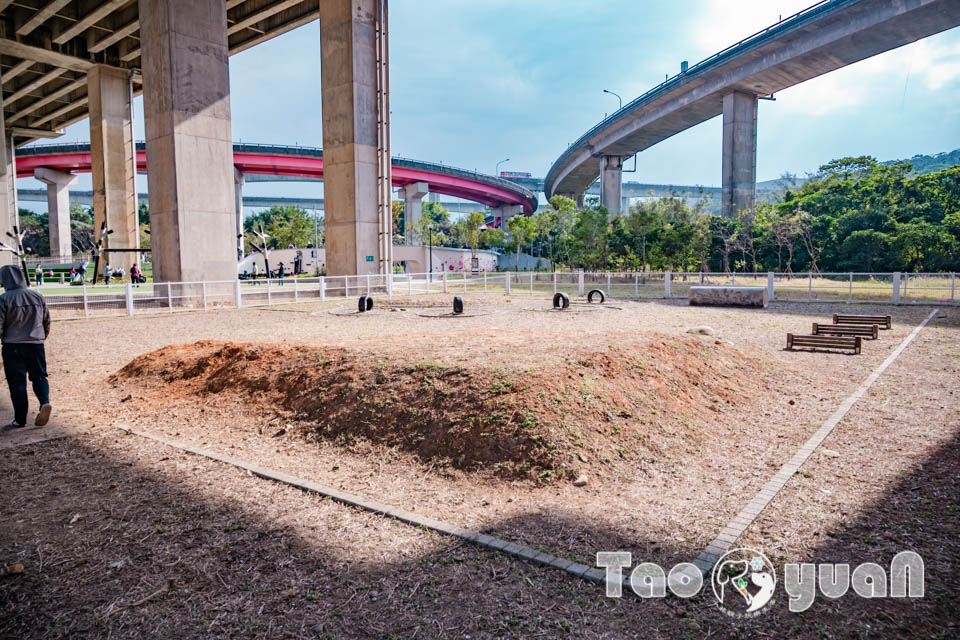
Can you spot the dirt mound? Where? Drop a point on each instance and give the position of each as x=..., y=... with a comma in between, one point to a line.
x=588, y=411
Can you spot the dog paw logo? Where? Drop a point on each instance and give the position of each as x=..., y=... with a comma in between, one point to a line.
x=743, y=582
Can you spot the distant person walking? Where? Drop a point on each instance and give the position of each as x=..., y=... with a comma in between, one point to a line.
x=38, y=275
x=25, y=324
x=82, y=271
x=135, y=275
x=281, y=273
x=107, y=271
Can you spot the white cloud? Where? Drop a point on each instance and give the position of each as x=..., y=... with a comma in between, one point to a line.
x=931, y=64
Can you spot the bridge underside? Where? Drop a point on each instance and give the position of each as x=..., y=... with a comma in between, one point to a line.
x=841, y=34
x=65, y=60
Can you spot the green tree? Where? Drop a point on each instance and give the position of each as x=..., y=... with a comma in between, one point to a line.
x=521, y=229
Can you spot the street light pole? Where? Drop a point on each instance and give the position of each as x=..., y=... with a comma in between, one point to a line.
x=430, y=228
x=618, y=98
x=496, y=171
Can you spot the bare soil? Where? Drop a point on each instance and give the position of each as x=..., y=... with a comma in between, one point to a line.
x=675, y=433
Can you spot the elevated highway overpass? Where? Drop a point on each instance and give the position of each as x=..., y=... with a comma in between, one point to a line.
x=822, y=38
x=56, y=165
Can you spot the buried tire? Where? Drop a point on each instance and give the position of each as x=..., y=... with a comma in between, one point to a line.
x=365, y=303
x=457, y=305
x=561, y=301
x=598, y=293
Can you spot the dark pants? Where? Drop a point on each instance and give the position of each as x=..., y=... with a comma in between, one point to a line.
x=19, y=361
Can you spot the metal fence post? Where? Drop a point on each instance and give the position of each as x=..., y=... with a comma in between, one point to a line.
x=269, y=297
x=580, y=282
x=701, y=278
x=810, y=286
x=323, y=289
x=850, y=289
x=506, y=281
x=237, y=294
x=484, y=281
x=636, y=284
x=128, y=294
x=444, y=280
x=554, y=282
x=770, y=277
x=368, y=284
x=953, y=286
x=609, y=293
x=203, y=291
x=390, y=284
x=531, y=283
x=410, y=284
x=733, y=278
x=896, y=288
x=296, y=291
x=86, y=309
x=667, y=276
x=464, y=281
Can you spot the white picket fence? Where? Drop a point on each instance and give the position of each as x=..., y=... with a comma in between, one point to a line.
x=90, y=301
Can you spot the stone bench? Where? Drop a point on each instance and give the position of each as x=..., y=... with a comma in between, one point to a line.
x=728, y=296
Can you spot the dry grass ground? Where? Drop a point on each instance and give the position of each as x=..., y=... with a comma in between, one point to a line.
x=122, y=537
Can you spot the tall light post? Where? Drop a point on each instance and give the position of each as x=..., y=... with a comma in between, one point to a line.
x=618, y=98
x=496, y=171
x=430, y=230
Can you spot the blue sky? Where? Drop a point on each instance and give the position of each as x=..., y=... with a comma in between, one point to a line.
x=477, y=81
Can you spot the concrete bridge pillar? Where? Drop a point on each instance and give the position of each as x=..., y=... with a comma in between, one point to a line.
x=412, y=207
x=186, y=103
x=112, y=162
x=8, y=190
x=739, y=183
x=353, y=64
x=238, y=182
x=506, y=212
x=611, y=183
x=58, y=209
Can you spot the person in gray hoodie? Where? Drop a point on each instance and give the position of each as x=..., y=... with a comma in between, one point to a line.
x=25, y=324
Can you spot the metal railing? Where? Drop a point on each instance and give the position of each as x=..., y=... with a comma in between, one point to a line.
x=98, y=301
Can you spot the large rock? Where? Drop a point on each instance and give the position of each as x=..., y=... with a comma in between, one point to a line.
x=728, y=296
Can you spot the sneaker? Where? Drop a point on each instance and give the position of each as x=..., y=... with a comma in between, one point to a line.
x=13, y=424
x=44, y=416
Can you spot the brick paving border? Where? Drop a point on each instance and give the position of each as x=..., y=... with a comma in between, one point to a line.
x=735, y=528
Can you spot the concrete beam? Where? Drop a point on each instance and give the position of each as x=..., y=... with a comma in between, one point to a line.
x=43, y=14
x=412, y=207
x=47, y=99
x=119, y=34
x=87, y=21
x=189, y=150
x=739, y=181
x=348, y=48
x=112, y=161
x=611, y=183
x=32, y=86
x=58, y=209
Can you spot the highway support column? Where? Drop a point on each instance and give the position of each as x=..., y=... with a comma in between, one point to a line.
x=58, y=209
x=8, y=191
x=412, y=208
x=112, y=156
x=739, y=182
x=611, y=183
x=189, y=150
x=356, y=136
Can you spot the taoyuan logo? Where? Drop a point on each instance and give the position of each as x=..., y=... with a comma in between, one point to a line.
x=743, y=582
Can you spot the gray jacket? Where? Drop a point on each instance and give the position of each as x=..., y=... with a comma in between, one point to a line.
x=24, y=316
